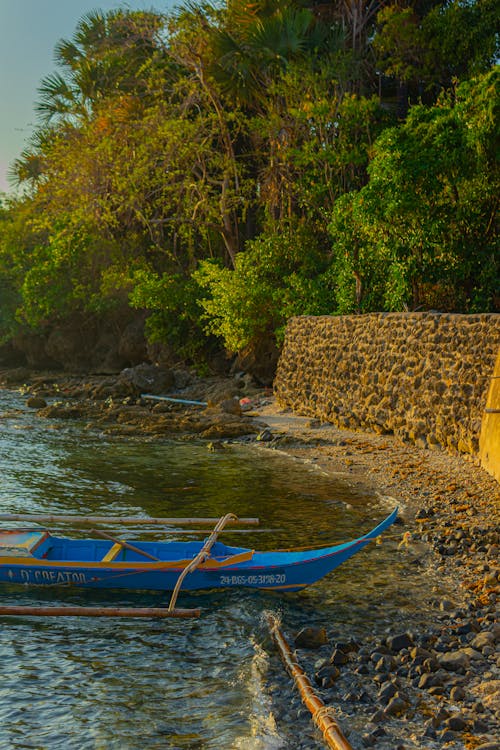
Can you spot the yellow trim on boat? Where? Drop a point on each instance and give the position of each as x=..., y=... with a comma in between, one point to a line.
x=139, y=564
x=295, y=586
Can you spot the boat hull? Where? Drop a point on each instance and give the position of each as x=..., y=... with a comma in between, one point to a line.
x=278, y=570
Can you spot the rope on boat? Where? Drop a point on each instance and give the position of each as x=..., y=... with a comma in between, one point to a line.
x=202, y=555
x=322, y=715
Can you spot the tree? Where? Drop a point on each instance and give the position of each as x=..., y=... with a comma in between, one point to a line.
x=107, y=56
x=428, y=212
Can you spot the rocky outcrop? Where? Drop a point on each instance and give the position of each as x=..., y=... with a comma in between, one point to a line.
x=84, y=343
x=421, y=376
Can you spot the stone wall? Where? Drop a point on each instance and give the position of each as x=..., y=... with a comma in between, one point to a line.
x=421, y=376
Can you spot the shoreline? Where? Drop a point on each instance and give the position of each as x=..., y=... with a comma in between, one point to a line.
x=451, y=518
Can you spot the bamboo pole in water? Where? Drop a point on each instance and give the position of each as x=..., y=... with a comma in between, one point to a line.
x=113, y=520
x=320, y=713
x=98, y=611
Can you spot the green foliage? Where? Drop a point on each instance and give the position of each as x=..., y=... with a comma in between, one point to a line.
x=428, y=212
x=174, y=311
x=63, y=276
x=273, y=279
x=231, y=165
x=452, y=41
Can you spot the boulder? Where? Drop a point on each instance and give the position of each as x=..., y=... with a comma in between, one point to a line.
x=147, y=378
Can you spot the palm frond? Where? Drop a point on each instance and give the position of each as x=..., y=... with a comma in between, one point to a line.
x=57, y=97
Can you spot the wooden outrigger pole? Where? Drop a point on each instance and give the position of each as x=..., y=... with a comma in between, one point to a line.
x=170, y=611
x=129, y=520
x=71, y=611
x=321, y=713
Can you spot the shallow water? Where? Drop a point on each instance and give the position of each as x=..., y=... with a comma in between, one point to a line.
x=74, y=684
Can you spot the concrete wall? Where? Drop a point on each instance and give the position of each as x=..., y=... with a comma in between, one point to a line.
x=422, y=376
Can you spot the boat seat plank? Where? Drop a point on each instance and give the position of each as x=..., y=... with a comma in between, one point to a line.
x=112, y=553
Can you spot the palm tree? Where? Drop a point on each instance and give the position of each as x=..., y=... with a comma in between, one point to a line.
x=105, y=57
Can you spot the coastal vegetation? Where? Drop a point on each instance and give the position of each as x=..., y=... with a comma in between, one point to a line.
x=226, y=166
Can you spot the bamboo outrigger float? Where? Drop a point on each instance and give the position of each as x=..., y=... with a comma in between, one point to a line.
x=36, y=557
x=322, y=715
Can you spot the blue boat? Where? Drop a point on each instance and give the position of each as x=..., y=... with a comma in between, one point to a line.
x=36, y=557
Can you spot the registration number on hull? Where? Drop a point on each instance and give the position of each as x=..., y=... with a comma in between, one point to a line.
x=272, y=579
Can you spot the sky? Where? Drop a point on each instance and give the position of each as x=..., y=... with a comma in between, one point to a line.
x=29, y=31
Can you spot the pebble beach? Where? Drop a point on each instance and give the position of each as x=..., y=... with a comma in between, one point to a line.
x=450, y=674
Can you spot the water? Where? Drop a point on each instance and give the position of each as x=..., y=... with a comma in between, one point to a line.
x=212, y=683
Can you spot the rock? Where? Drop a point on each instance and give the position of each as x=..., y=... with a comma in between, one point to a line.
x=455, y=661
x=447, y=735
x=429, y=731
x=489, y=746
x=387, y=692
x=231, y=406
x=472, y=653
x=378, y=717
x=456, y=723
x=326, y=676
x=147, y=378
x=439, y=717
x=397, y=706
x=397, y=642
x=431, y=665
x=483, y=639
x=457, y=693
x=430, y=680
x=36, y=402
x=62, y=411
x=338, y=657
x=385, y=664
x=310, y=637
x=348, y=647
x=479, y=726
x=265, y=436
x=231, y=427
x=424, y=513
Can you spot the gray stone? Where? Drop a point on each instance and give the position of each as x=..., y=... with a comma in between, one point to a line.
x=397, y=642
x=385, y=664
x=387, y=692
x=455, y=661
x=457, y=693
x=327, y=675
x=397, y=706
x=338, y=657
x=36, y=402
x=456, y=723
x=310, y=637
x=483, y=639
